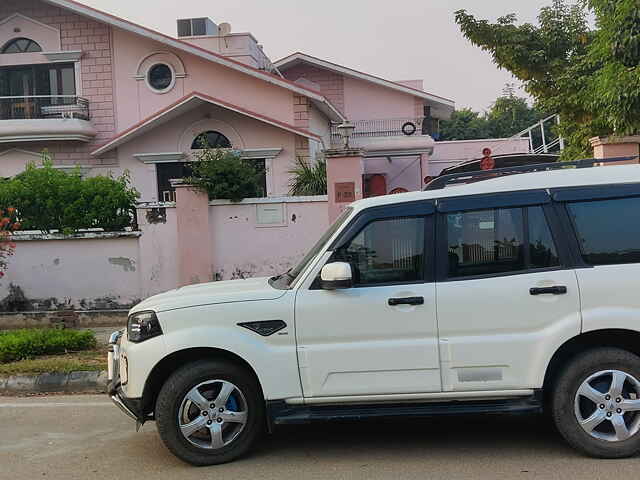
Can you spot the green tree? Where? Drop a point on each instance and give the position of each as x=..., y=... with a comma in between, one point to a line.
x=464, y=124
x=46, y=198
x=507, y=116
x=613, y=91
x=589, y=77
x=510, y=115
x=224, y=175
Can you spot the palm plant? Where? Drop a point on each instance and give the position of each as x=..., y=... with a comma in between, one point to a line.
x=307, y=180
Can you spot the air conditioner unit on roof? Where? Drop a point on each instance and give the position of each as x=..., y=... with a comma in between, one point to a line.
x=196, y=27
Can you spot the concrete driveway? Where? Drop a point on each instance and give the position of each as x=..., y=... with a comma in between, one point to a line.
x=85, y=437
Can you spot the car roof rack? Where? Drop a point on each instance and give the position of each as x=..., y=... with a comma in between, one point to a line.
x=471, y=177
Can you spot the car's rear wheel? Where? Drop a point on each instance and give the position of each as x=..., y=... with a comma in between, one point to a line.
x=596, y=403
x=210, y=412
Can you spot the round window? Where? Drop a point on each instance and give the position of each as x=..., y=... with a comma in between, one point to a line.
x=160, y=77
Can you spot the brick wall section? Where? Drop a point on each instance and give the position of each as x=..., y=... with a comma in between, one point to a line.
x=331, y=83
x=302, y=148
x=301, y=120
x=94, y=39
x=301, y=111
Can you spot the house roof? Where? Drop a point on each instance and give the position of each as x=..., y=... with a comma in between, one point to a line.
x=321, y=102
x=184, y=105
x=300, y=57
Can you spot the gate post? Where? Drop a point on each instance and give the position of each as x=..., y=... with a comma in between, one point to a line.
x=345, y=170
x=194, y=237
x=612, y=147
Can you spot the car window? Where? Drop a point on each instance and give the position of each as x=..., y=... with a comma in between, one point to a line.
x=494, y=241
x=485, y=242
x=608, y=230
x=386, y=251
x=542, y=249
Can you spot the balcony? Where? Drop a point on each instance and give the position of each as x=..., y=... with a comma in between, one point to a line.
x=391, y=133
x=45, y=118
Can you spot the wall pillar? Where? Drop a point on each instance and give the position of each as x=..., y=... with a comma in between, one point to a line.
x=612, y=147
x=345, y=169
x=424, y=169
x=194, y=237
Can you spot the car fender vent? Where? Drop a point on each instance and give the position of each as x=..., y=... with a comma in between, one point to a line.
x=264, y=327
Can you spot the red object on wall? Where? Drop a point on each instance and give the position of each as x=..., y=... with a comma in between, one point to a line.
x=377, y=185
x=487, y=163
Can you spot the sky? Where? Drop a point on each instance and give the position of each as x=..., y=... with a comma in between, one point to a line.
x=401, y=40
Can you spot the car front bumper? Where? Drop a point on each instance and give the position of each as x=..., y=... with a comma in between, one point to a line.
x=132, y=407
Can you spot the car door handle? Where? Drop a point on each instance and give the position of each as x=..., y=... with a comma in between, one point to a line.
x=406, y=301
x=555, y=290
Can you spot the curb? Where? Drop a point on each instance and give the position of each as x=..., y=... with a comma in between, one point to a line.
x=73, y=382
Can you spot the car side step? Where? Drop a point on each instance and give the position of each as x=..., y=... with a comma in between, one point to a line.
x=280, y=413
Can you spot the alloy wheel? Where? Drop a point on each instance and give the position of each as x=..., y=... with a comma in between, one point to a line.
x=607, y=405
x=212, y=414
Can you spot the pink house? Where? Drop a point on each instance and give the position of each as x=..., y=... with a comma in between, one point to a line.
x=109, y=95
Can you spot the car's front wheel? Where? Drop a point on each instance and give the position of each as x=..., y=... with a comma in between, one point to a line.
x=596, y=403
x=209, y=412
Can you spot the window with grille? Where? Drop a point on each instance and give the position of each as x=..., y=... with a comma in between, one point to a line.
x=21, y=45
x=210, y=139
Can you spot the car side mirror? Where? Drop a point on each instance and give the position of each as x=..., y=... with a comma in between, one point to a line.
x=335, y=276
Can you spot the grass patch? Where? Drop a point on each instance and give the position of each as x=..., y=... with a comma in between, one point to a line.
x=93, y=360
x=26, y=344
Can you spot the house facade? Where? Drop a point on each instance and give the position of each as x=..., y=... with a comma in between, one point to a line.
x=105, y=94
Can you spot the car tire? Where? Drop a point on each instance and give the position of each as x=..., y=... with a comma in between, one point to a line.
x=607, y=379
x=217, y=436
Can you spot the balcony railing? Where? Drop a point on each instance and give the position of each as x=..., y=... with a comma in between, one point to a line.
x=390, y=127
x=44, y=107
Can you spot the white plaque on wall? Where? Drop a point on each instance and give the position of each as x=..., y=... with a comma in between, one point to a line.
x=270, y=214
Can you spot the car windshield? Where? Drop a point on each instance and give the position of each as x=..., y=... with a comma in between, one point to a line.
x=285, y=279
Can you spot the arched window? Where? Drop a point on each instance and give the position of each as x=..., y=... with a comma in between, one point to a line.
x=210, y=139
x=21, y=45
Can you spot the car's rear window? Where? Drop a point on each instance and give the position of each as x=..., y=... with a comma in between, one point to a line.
x=608, y=230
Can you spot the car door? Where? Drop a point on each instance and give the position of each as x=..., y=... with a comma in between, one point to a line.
x=507, y=291
x=606, y=220
x=380, y=336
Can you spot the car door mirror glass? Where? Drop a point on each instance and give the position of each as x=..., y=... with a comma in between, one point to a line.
x=336, y=275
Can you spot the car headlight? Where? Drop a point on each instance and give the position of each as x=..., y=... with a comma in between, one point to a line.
x=143, y=326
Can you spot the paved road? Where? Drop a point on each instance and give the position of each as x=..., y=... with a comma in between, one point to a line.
x=85, y=437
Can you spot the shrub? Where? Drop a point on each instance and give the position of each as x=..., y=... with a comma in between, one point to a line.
x=224, y=175
x=28, y=343
x=49, y=199
x=309, y=179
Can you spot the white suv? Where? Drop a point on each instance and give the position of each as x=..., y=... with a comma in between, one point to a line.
x=511, y=294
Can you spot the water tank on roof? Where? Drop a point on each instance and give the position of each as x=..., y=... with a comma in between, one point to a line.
x=196, y=27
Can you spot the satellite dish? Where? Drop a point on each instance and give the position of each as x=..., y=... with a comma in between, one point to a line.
x=224, y=29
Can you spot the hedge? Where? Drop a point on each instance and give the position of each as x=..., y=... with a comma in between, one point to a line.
x=28, y=343
x=47, y=198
